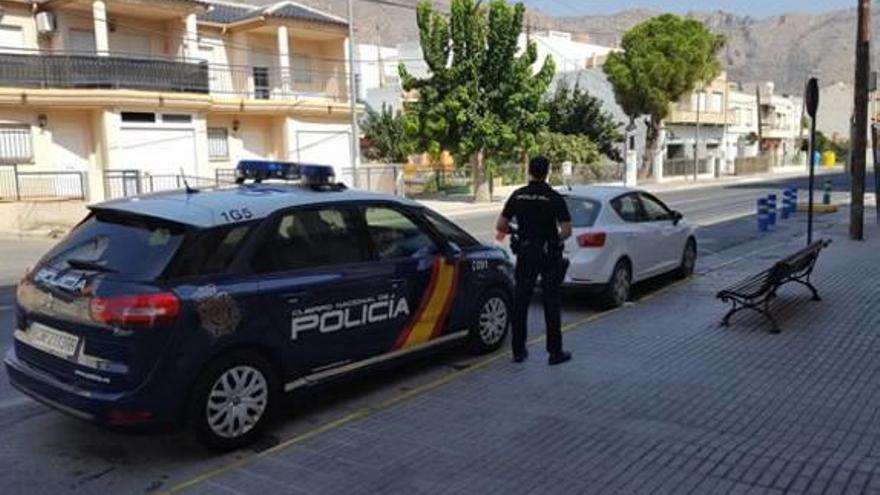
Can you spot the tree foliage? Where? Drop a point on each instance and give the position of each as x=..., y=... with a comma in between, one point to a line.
x=574, y=111
x=662, y=59
x=575, y=148
x=481, y=97
x=387, y=142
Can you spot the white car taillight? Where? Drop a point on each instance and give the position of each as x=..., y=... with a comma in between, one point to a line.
x=591, y=240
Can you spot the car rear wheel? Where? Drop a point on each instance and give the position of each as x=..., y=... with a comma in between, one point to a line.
x=617, y=292
x=688, y=260
x=233, y=400
x=491, y=323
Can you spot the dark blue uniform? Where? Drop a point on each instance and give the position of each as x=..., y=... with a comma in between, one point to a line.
x=537, y=211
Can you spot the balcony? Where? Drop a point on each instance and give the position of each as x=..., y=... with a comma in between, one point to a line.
x=77, y=71
x=324, y=81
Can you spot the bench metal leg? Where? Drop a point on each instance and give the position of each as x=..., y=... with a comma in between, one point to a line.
x=725, y=322
x=807, y=284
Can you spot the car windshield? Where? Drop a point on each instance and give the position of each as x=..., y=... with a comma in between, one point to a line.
x=584, y=211
x=132, y=246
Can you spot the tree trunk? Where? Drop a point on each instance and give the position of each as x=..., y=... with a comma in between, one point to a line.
x=652, y=142
x=480, y=179
x=524, y=159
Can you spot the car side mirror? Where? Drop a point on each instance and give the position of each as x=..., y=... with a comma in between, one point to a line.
x=677, y=217
x=451, y=252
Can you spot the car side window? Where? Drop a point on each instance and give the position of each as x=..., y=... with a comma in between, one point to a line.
x=655, y=210
x=628, y=208
x=395, y=236
x=309, y=238
x=450, y=231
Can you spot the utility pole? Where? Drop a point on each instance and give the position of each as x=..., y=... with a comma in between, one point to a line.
x=697, y=137
x=352, y=97
x=859, y=139
x=760, y=120
x=379, y=56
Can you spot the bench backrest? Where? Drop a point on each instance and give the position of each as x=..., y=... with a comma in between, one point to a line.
x=797, y=262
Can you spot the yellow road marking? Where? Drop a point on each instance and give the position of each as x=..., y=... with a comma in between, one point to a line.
x=427, y=387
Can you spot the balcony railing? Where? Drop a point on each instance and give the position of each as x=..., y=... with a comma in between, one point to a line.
x=324, y=80
x=69, y=71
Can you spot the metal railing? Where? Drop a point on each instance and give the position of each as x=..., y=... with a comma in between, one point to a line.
x=132, y=182
x=673, y=167
x=323, y=80
x=16, y=185
x=112, y=72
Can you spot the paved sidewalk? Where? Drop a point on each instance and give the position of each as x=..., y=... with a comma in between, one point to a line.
x=659, y=399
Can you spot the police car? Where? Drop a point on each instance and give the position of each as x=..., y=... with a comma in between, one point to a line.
x=205, y=307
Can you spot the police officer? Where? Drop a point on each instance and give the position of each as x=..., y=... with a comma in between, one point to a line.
x=542, y=225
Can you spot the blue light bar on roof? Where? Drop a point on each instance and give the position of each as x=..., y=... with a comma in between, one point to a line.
x=260, y=170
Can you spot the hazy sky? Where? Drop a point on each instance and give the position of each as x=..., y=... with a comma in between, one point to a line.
x=753, y=8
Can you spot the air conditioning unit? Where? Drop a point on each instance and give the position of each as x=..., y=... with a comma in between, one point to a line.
x=45, y=22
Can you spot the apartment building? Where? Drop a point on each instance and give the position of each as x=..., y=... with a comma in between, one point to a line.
x=136, y=93
x=742, y=132
x=695, y=130
x=781, y=129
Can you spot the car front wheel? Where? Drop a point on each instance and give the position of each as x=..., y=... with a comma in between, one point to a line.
x=491, y=323
x=688, y=260
x=232, y=400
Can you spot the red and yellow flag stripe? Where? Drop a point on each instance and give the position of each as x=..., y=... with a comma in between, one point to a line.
x=434, y=308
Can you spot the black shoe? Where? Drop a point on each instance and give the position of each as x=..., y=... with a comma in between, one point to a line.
x=561, y=357
x=519, y=357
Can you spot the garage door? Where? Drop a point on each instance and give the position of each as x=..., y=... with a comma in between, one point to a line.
x=158, y=151
x=326, y=148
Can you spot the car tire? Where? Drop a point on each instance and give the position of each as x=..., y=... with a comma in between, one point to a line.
x=491, y=323
x=617, y=291
x=233, y=399
x=688, y=260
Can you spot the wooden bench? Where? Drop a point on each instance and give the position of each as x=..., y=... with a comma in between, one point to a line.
x=757, y=291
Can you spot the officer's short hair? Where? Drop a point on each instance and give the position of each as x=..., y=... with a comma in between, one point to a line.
x=539, y=167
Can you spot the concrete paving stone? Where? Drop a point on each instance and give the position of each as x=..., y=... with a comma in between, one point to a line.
x=652, y=403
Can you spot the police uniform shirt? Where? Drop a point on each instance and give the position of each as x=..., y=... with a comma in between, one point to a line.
x=537, y=209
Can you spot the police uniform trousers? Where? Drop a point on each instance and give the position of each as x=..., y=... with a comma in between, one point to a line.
x=534, y=260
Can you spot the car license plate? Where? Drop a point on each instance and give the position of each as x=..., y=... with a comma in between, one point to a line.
x=53, y=341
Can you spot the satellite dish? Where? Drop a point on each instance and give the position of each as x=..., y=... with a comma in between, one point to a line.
x=812, y=97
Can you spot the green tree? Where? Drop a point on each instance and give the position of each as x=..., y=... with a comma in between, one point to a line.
x=574, y=111
x=387, y=140
x=481, y=98
x=574, y=148
x=662, y=59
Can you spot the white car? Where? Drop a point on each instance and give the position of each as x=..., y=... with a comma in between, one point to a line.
x=622, y=236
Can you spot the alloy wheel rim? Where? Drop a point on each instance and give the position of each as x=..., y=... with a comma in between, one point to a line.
x=493, y=321
x=237, y=401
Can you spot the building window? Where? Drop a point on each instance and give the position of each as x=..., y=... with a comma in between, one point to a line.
x=140, y=117
x=16, y=145
x=717, y=103
x=176, y=118
x=302, y=69
x=11, y=39
x=261, y=83
x=218, y=143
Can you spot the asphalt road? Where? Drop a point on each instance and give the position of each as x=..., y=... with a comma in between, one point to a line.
x=45, y=452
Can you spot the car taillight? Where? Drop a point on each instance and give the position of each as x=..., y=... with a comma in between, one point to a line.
x=591, y=240
x=137, y=310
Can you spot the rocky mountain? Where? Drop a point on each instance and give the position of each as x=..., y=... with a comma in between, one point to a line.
x=786, y=48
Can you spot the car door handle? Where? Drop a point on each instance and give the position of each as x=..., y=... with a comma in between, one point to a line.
x=293, y=297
